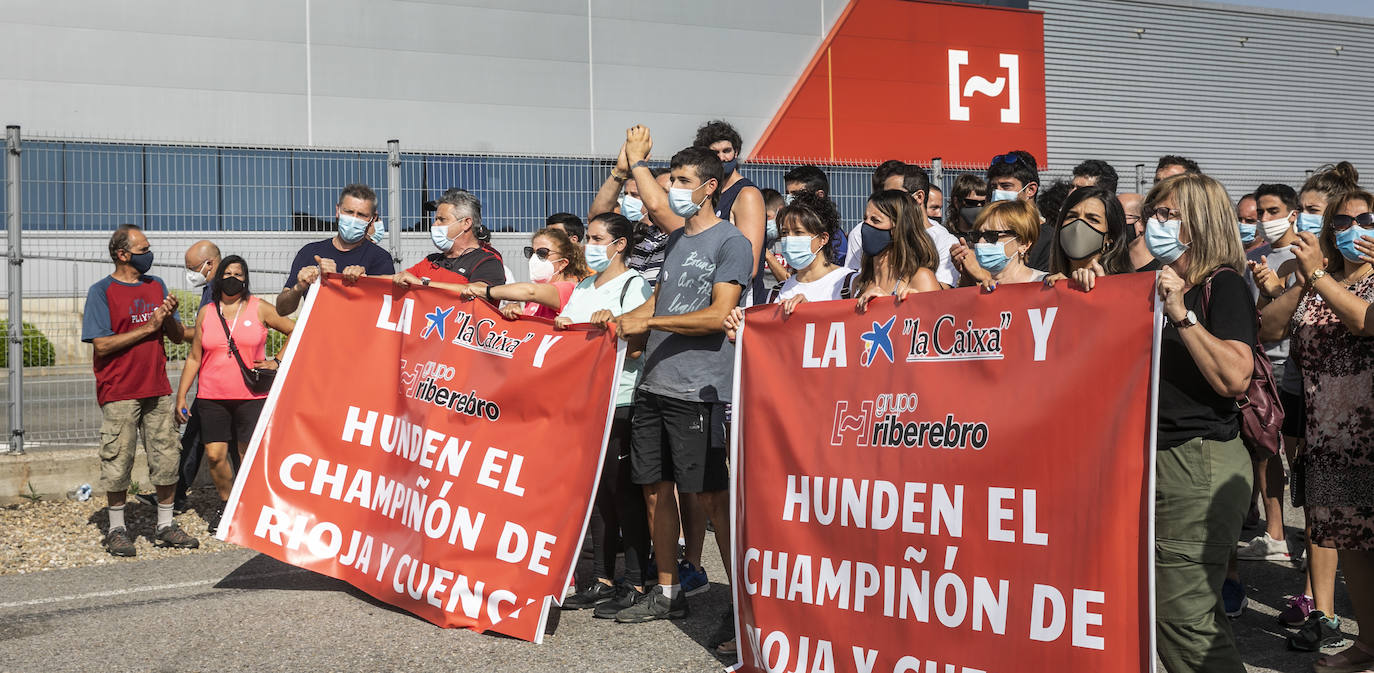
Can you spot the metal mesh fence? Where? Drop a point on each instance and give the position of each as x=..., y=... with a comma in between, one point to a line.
x=264, y=203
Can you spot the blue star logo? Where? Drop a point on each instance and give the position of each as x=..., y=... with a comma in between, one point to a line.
x=878, y=339
x=434, y=322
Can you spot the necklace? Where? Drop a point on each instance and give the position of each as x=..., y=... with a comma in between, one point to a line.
x=1350, y=281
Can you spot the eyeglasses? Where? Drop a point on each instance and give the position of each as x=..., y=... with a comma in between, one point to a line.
x=1164, y=214
x=1343, y=222
x=991, y=235
x=543, y=253
x=1132, y=219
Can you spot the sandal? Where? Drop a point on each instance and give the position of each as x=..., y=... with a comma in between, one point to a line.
x=1343, y=662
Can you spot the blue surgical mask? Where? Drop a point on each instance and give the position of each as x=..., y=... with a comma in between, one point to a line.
x=1003, y=195
x=1247, y=232
x=680, y=200
x=1310, y=223
x=352, y=229
x=379, y=233
x=631, y=207
x=598, y=257
x=770, y=230
x=796, y=250
x=438, y=234
x=875, y=240
x=1345, y=242
x=991, y=256
x=1161, y=239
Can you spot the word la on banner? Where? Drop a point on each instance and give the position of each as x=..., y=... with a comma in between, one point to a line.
x=959, y=482
x=408, y=450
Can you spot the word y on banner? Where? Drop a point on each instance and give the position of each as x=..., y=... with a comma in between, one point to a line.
x=406, y=449
x=969, y=491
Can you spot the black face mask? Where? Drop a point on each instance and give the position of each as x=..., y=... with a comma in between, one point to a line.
x=230, y=286
x=969, y=214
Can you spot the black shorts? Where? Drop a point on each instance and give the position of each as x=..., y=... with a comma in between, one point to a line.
x=228, y=420
x=1294, y=415
x=679, y=441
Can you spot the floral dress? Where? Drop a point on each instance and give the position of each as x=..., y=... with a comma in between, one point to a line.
x=1338, y=385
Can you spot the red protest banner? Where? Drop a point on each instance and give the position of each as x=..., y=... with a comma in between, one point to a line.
x=960, y=482
x=431, y=453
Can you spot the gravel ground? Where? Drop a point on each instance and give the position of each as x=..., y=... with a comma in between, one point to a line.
x=52, y=534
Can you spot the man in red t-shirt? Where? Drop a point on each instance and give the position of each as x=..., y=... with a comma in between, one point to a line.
x=462, y=257
x=126, y=316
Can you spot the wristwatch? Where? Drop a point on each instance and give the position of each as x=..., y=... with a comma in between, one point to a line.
x=1316, y=276
x=424, y=281
x=1188, y=321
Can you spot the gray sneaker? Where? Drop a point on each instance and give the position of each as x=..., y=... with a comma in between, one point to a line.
x=174, y=536
x=654, y=606
x=118, y=543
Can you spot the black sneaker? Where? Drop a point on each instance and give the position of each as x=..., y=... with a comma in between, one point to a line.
x=174, y=536
x=625, y=596
x=593, y=596
x=118, y=542
x=725, y=630
x=1317, y=633
x=654, y=606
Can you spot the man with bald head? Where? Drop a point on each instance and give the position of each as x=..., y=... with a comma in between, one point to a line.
x=202, y=258
x=1141, y=259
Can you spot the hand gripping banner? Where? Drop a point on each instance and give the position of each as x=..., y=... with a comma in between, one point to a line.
x=430, y=452
x=960, y=482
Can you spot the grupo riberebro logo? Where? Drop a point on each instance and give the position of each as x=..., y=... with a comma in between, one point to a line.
x=962, y=88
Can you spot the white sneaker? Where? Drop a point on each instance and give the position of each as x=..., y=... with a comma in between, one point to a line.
x=1264, y=548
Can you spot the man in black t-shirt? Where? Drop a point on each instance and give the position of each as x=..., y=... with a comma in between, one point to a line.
x=463, y=256
x=349, y=249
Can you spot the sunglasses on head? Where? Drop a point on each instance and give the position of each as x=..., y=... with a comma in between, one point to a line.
x=991, y=235
x=1343, y=222
x=1006, y=159
x=543, y=253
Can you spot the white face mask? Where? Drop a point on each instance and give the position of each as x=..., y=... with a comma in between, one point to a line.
x=1275, y=229
x=195, y=279
x=1003, y=195
x=541, y=270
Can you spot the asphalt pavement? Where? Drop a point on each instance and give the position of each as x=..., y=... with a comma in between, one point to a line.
x=237, y=610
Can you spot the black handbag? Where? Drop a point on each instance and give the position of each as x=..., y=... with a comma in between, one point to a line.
x=259, y=381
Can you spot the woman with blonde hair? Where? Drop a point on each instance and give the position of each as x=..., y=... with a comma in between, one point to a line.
x=899, y=257
x=1202, y=469
x=1002, y=238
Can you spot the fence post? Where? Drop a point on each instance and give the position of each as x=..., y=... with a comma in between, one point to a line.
x=15, y=296
x=937, y=174
x=393, y=198
x=1140, y=178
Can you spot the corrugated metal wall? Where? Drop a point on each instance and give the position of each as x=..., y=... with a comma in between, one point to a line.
x=1273, y=108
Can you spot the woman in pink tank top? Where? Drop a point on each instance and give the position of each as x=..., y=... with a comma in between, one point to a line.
x=228, y=409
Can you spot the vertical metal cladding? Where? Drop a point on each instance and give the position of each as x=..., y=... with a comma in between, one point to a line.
x=1251, y=94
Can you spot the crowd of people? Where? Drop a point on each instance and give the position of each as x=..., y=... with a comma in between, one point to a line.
x=672, y=255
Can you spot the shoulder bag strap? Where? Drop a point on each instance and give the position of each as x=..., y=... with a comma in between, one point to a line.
x=228, y=337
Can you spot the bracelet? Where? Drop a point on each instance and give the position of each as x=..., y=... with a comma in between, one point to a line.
x=277, y=359
x=642, y=164
x=489, y=294
x=618, y=177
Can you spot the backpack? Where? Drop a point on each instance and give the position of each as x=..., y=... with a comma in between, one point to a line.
x=1261, y=415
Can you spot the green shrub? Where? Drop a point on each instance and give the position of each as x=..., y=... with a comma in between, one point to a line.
x=38, y=351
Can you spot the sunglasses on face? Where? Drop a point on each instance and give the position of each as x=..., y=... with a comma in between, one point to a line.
x=1343, y=222
x=974, y=203
x=1164, y=214
x=543, y=253
x=991, y=235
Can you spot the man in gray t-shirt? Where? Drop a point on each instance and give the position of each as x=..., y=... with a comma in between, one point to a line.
x=676, y=434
